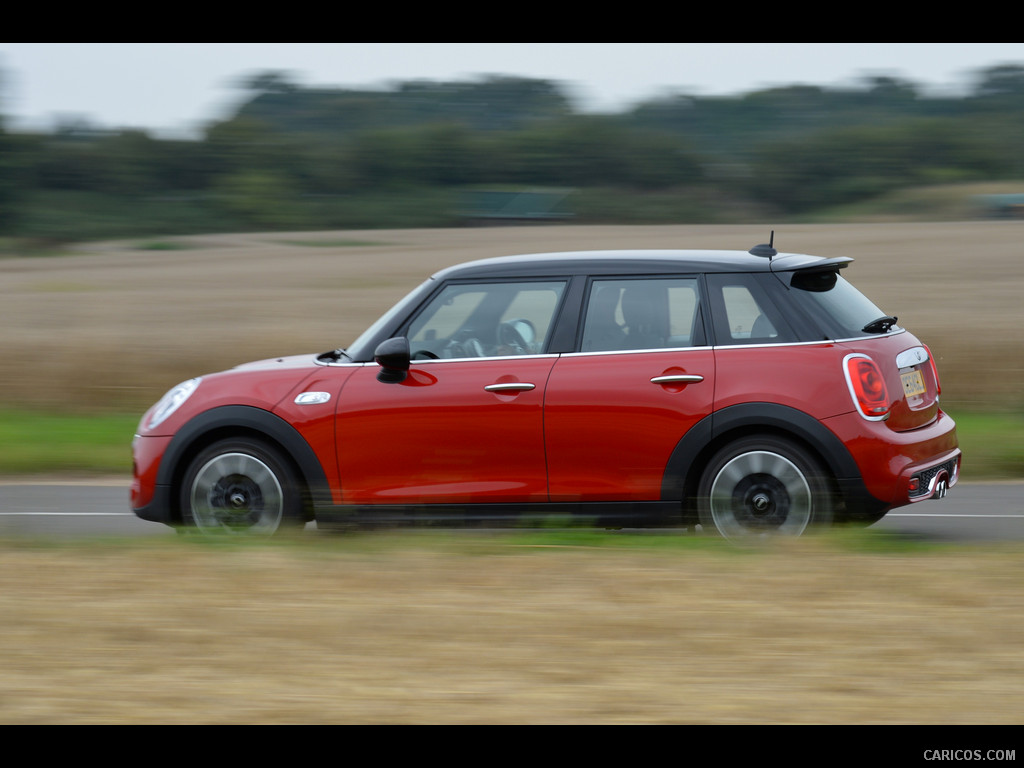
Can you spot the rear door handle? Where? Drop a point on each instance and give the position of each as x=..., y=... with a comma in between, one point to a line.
x=677, y=378
x=511, y=386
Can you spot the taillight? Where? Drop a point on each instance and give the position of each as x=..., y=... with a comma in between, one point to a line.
x=867, y=387
x=935, y=371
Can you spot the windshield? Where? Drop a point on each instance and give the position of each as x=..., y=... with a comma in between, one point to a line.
x=362, y=348
x=840, y=309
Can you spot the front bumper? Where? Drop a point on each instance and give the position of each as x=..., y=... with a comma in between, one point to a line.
x=148, y=500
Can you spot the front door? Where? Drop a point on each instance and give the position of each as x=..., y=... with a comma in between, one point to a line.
x=466, y=425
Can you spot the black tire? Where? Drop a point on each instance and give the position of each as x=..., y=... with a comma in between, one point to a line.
x=764, y=486
x=241, y=485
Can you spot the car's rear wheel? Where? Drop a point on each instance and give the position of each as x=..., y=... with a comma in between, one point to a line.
x=763, y=486
x=240, y=485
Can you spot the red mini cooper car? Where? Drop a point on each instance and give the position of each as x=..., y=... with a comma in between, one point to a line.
x=746, y=392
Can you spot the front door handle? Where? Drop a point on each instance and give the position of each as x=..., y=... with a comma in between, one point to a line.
x=511, y=386
x=677, y=378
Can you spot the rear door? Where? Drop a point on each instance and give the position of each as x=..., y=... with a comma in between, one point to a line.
x=642, y=375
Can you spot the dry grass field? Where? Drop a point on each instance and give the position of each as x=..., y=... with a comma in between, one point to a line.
x=115, y=325
x=479, y=629
x=384, y=627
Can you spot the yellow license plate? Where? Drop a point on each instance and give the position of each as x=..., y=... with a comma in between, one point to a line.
x=913, y=383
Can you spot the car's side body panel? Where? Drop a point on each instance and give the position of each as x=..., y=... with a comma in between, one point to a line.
x=805, y=377
x=312, y=410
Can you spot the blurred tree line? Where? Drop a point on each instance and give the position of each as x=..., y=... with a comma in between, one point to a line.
x=292, y=157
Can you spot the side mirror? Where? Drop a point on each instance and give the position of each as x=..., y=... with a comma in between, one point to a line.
x=393, y=358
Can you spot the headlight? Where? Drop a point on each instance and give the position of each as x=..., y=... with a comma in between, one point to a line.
x=170, y=402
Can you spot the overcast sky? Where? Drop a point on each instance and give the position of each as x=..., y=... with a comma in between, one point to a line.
x=179, y=87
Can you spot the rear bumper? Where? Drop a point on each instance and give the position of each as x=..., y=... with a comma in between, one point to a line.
x=934, y=481
x=900, y=468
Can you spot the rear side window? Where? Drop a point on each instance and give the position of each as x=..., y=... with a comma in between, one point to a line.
x=654, y=313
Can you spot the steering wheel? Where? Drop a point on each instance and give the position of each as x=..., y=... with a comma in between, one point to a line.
x=510, y=335
x=424, y=353
x=469, y=347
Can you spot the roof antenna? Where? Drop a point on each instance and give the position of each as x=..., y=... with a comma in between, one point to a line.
x=765, y=249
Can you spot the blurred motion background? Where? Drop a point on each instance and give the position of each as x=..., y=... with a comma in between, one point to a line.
x=283, y=155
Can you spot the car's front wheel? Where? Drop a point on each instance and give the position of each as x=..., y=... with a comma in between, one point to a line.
x=761, y=486
x=240, y=485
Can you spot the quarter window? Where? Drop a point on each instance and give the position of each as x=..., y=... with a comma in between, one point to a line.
x=642, y=314
x=746, y=318
x=743, y=313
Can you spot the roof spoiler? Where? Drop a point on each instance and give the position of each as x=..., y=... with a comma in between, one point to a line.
x=824, y=265
x=767, y=250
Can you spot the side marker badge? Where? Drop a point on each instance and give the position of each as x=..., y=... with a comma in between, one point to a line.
x=312, y=398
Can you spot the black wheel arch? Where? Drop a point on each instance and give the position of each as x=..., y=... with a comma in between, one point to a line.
x=695, y=449
x=240, y=421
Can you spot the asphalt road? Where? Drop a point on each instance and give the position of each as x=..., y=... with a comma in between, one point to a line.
x=972, y=512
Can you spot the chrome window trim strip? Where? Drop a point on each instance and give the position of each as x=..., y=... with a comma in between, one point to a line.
x=818, y=343
x=442, y=360
x=716, y=348
x=431, y=361
x=633, y=351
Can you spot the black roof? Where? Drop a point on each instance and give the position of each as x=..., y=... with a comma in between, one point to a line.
x=575, y=263
x=635, y=262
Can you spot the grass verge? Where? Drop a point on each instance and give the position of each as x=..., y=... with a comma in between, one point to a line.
x=32, y=442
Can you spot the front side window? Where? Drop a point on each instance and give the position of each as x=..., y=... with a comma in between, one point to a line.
x=654, y=313
x=486, y=320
